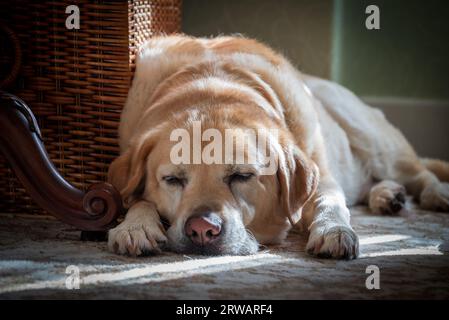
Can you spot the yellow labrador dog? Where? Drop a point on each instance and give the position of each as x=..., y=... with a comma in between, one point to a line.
x=331, y=151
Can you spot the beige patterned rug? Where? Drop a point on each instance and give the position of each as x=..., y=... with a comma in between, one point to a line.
x=411, y=252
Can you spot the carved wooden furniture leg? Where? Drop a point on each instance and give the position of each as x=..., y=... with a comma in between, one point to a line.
x=22, y=145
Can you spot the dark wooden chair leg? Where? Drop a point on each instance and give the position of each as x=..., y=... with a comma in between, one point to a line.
x=21, y=143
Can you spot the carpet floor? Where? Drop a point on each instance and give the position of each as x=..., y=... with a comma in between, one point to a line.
x=411, y=251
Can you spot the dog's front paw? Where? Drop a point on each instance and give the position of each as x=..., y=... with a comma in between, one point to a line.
x=136, y=239
x=435, y=197
x=339, y=242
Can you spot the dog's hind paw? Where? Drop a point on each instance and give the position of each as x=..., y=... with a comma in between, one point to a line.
x=387, y=197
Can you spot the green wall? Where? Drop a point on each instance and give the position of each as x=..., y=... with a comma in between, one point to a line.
x=407, y=57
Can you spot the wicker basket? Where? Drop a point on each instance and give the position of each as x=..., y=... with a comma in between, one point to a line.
x=75, y=81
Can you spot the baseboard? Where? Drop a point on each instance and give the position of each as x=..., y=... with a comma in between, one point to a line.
x=424, y=122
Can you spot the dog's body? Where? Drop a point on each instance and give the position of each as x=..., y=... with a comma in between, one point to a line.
x=334, y=151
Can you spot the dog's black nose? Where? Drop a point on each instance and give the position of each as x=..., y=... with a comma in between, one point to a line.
x=203, y=229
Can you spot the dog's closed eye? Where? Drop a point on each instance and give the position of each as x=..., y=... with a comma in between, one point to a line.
x=239, y=177
x=174, y=181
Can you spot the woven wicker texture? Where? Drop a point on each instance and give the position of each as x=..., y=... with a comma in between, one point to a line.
x=76, y=81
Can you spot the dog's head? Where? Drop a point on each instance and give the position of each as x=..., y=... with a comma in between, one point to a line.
x=214, y=202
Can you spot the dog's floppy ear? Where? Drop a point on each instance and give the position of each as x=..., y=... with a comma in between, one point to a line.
x=298, y=179
x=127, y=172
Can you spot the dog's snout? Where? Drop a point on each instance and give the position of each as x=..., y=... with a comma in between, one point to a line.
x=203, y=229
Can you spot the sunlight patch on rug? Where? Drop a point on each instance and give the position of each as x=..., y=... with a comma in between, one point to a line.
x=383, y=239
x=430, y=250
x=54, y=277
